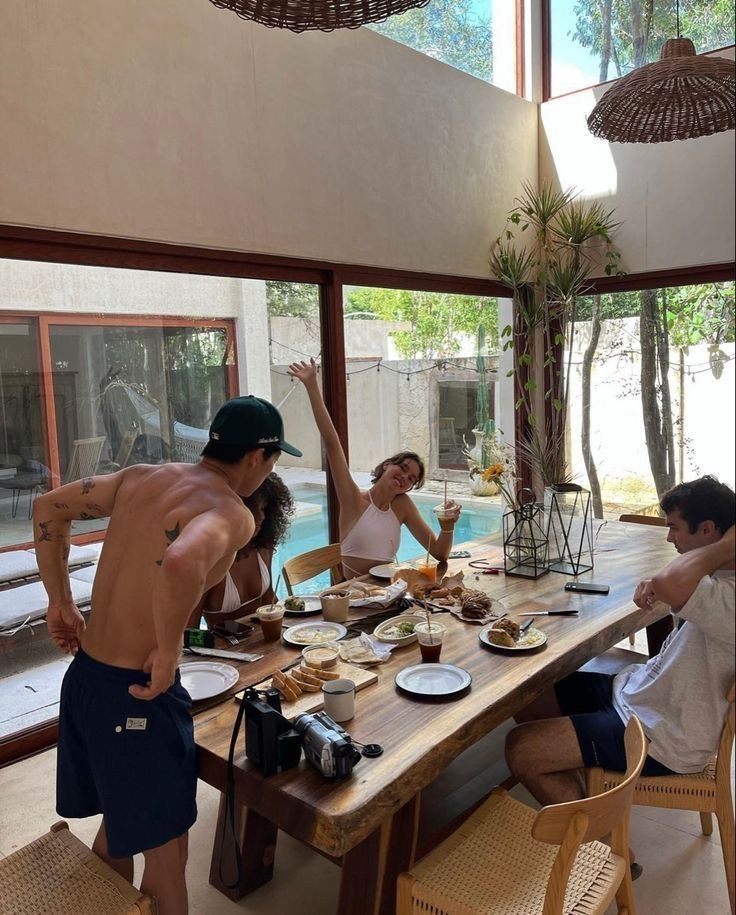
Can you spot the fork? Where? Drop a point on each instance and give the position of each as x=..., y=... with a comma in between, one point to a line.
x=526, y=626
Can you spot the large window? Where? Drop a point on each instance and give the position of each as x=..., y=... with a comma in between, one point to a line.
x=657, y=368
x=476, y=36
x=593, y=41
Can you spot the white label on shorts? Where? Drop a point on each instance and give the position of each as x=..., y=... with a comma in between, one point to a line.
x=136, y=724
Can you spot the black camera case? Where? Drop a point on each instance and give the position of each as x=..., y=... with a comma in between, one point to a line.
x=271, y=743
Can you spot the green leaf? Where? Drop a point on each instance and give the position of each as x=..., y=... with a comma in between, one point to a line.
x=557, y=404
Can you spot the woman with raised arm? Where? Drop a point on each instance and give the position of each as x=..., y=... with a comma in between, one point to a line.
x=370, y=522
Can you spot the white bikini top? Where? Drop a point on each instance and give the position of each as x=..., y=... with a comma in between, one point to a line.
x=231, y=599
x=375, y=535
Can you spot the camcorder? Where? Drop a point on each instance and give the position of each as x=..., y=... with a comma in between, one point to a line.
x=273, y=744
x=327, y=747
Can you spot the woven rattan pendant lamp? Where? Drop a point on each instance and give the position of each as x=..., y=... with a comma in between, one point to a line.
x=317, y=15
x=681, y=96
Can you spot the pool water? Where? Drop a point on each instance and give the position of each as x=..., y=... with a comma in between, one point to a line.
x=309, y=531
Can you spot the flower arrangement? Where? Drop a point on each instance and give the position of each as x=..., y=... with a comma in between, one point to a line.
x=495, y=473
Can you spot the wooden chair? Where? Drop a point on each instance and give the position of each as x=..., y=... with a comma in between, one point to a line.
x=85, y=458
x=641, y=519
x=708, y=792
x=308, y=565
x=499, y=862
x=58, y=873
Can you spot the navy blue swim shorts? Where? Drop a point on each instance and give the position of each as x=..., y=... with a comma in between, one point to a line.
x=587, y=699
x=131, y=760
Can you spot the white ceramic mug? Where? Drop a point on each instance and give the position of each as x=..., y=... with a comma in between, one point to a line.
x=339, y=698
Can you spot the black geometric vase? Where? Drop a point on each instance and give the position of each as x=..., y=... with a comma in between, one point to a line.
x=525, y=545
x=569, y=528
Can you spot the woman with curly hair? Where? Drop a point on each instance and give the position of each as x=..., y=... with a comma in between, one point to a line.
x=248, y=584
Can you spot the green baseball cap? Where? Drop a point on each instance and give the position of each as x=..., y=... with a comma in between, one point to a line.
x=250, y=422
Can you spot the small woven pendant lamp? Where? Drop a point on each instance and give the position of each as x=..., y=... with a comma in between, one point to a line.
x=681, y=96
x=317, y=15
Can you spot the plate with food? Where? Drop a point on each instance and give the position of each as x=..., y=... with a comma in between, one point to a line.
x=506, y=635
x=317, y=633
x=399, y=630
x=298, y=605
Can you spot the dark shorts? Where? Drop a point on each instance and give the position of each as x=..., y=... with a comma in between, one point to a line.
x=130, y=760
x=587, y=699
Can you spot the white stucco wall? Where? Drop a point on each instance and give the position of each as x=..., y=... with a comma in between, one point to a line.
x=175, y=121
x=675, y=200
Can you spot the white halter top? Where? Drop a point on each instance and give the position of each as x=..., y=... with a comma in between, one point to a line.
x=231, y=599
x=375, y=535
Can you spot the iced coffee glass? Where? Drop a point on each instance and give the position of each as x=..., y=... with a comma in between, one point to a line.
x=270, y=616
x=430, y=638
x=445, y=516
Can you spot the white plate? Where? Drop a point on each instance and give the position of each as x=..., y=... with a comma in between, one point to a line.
x=384, y=571
x=535, y=636
x=330, y=632
x=433, y=680
x=205, y=679
x=379, y=631
x=312, y=605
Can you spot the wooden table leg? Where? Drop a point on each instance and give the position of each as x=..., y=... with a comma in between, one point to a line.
x=370, y=870
x=256, y=841
x=657, y=632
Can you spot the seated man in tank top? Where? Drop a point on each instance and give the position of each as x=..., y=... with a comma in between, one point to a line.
x=248, y=584
x=370, y=522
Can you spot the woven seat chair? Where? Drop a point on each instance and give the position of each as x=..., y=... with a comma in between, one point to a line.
x=503, y=860
x=706, y=792
x=57, y=874
x=309, y=565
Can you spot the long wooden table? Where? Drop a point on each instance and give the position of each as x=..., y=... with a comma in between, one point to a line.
x=368, y=823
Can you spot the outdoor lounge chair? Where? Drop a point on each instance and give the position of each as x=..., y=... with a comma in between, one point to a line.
x=503, y=860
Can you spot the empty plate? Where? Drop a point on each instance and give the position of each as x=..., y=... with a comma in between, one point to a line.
x=384, y=571
x=205, y=679
x=433, y=680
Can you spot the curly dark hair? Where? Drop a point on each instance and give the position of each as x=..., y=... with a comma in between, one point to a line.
x=278, y=506
x=704, y=499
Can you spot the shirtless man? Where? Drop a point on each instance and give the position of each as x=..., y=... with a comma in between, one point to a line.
x=126, y=745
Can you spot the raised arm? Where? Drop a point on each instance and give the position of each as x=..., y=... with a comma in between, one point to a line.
x=53, y=513
x=676, y=583
x=185, y=569
x=347, y=489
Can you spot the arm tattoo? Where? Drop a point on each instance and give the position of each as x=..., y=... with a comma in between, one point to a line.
x=87, y=485
x=171, y=537
x=60, y=505
x=94, y=507
x=85, y=516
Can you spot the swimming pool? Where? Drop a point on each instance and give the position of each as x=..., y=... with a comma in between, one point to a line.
x=309, y=531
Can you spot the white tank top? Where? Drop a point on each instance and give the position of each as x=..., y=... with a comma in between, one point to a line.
x=375, y=535
x=231, y=598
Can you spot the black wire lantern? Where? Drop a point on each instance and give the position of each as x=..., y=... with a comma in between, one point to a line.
x=525, y=543
x=569, y=528
x=317, y=15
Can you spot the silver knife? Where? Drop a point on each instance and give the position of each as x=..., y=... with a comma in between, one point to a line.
x=223, y=653
x=551, y=613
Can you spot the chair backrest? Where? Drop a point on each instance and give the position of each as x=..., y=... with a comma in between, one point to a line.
x=85, y=458
x=308, y=565
x=569, y=825
x=725, y=745
x=126, y=447
x=643, y=519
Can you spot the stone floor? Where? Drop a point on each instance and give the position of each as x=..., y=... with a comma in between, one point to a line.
x=683, y=870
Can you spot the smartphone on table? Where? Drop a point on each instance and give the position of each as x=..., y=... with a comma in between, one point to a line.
x=586, y=587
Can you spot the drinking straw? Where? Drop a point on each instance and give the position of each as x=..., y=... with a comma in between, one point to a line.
x=445, y=502
x=275, y=591
x=429, y=622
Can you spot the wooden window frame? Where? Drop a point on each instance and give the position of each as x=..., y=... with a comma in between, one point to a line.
x=546, y=23
x=94, y=250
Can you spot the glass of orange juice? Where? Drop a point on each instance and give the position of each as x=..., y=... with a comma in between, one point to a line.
x=428, y=567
